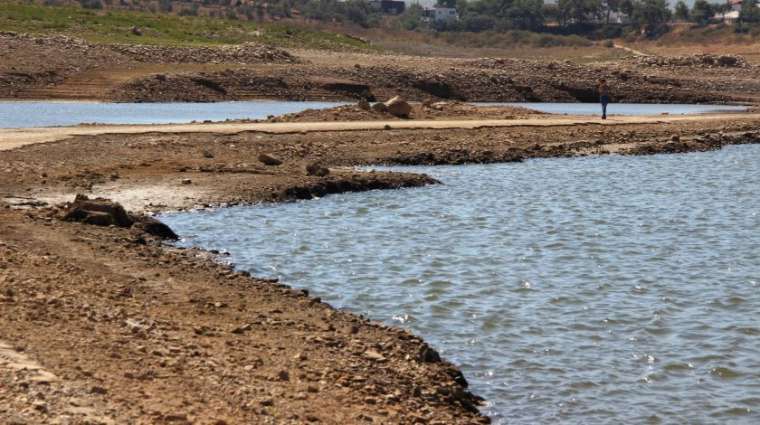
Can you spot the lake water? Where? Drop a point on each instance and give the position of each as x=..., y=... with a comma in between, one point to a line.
x=601, y=290
x=41, y=114
x=628, y=108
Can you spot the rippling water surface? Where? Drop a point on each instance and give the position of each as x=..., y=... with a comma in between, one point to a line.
x=575, y=291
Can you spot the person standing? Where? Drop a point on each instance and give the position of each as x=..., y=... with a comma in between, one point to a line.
x=604, y=96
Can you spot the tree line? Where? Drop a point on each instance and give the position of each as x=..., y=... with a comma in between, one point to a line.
x=603, y=18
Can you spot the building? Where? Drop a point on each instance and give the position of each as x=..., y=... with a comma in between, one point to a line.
x=441, y=14
x=732, y=14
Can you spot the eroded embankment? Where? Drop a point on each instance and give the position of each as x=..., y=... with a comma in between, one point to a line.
x=139, y=332
x=59, y=67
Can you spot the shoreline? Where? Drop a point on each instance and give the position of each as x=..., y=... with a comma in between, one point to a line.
x=11, y=138
x=136, y=330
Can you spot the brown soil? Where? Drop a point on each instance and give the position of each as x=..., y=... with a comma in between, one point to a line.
x=108, y=325
x=420, y=111
x=67, y=68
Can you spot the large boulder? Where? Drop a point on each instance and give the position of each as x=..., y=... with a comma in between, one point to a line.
x=105, y=212
x=155, y=227
x=98, y=211
x=398, y=107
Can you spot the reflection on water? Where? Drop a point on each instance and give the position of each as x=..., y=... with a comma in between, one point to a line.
x=577, y=291
x=41, y=114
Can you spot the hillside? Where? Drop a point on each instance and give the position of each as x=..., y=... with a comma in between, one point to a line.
x=116, y=26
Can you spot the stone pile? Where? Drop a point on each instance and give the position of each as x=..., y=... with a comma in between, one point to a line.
x=700, y=60
x=242, y=53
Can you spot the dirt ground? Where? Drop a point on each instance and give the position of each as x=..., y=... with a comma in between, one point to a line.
x=67, y=68
x=109, y=325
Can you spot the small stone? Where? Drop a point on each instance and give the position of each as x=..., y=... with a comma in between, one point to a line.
x=315, y=169
x=283, y=375
x=270, y=160
x=374, y=356
x=98, y=390
x=242, y=328
x=267, y=402
x=187, y=181
x=40, y=406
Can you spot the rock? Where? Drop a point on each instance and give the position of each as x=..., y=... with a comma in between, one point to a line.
x=374, y=356
x=675, y=138
x=270, y=160
x=98, y=211
x=98, y=390
x=315, y=169
x=283, y=375
x=136, y=31
x=187, y=181
x=155, y=227
x=380, y=108
x=398, y=107
x=242, y=329
x=428, y=355
x=364, y=105
x=207, y=154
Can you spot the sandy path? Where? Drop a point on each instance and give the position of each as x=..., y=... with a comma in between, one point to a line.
x=14, y=138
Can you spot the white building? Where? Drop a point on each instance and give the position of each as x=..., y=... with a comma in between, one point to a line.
x=441, y=14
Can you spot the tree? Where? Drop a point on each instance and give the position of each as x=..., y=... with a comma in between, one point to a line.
x=526, y=15
x=412, y=17
x=682, y=11
x=165, y=6
x=750, y=12
x=91, y=4
x=651, y=15
x=702, y=12
x=578, y=11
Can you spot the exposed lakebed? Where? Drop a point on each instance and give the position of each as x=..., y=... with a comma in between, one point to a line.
x=42, y=114
x=594, y=290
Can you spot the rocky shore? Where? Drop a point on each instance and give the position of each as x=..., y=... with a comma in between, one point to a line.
x=107, y=324
x=61, y=67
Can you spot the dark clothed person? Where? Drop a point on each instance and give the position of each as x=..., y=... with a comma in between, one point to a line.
x=604, y=97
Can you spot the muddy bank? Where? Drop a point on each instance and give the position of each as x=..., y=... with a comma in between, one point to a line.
x=60, y=67
x=127, y=330
x=31, y=66
x=419, y=111
x=476, y=81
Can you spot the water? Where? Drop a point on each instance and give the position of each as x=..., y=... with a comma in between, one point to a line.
x=628, y=108
x=576, y=291
x=42, y=114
